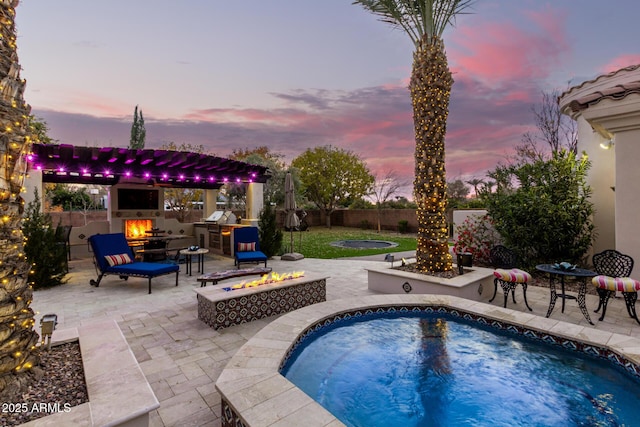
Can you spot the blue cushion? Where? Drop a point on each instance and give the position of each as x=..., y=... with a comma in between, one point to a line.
x=250, y=256
x=146, y=269
x=116, y=243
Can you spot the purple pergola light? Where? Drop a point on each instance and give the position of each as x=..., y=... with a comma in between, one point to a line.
x=108, y=166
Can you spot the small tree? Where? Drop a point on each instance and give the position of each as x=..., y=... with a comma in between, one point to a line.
x=43, y=248
x=542, y=209
x=332, y=177
x=273, y=189
x=268, y=232
x=457, y=192
x=138, y=132
x=180, y=200
x=383, y=189
x=556, y=131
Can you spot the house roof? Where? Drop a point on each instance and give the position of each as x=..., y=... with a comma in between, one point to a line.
x=618, y=91
x=108, y=166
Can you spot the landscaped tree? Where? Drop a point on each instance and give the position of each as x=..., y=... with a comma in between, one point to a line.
x=556, y=131
x=268, y=232
x=424, y=21
x=45, y=252
x=542, y=209
x=273, y=189
x=475, y=183
x=138, y=132
x=331, y=177
x=181, y=200
x=18, y=352
x=457, y=192
x=384, y=187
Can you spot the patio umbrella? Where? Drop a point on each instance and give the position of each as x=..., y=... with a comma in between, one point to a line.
x=292, y=221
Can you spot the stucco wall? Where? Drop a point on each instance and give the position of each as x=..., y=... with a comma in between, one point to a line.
x=601, y=179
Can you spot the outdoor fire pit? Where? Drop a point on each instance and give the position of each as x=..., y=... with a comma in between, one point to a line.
x=221, y=307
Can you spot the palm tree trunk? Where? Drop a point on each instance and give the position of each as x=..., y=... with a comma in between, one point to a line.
x=430, y=87
x=18, y=352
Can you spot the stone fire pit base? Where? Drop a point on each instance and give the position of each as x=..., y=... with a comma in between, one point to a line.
x=220, y=309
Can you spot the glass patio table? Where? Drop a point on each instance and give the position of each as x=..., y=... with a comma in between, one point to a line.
x=579, y=273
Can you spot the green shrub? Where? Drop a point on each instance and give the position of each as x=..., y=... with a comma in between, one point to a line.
x=542, y=209
x=364, y=224
x=269, y=233
x=403, y=226
x=43, y=248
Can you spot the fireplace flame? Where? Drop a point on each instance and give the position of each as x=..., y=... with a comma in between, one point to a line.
x=272, y=277
x=137, y=227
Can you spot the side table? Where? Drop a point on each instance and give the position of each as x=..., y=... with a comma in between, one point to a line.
x=580, y=273
x=189, y=254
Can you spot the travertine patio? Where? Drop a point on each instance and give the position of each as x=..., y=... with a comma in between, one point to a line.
x=182, y=357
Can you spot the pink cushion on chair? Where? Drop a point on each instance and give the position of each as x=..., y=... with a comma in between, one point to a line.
x=621, y=284
x=514, y=275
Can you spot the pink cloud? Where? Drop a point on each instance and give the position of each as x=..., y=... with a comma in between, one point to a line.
x=621, y=61
x=498, y=51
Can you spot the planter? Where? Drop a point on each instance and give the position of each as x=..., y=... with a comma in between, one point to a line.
x=470, y=285
x=119, y=394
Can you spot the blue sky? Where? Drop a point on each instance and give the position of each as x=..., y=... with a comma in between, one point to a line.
x=294, y=74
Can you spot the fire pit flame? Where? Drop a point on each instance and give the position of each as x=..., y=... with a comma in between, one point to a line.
x=272, y=277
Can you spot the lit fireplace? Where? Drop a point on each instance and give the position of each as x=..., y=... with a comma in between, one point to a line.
x=272, y=277
x=137, y=227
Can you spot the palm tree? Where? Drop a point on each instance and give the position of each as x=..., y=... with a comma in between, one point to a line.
x=475, y=183
x=430, y=86
x=18, y=352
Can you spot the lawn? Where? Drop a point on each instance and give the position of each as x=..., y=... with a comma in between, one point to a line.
x=316, y=242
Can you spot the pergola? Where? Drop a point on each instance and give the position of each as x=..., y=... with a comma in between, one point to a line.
x=66, y=163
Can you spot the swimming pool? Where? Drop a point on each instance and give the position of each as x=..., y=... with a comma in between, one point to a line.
x=430, y=369
x=253, y=392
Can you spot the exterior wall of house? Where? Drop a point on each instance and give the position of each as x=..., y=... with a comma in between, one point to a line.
x=608, y=108
x=627, y=195
x=602, y=181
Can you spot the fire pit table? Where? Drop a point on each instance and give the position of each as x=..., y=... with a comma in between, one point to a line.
x=224, y=307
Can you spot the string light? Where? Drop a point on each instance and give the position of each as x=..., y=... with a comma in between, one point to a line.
x=430, y=88
x=14, y=126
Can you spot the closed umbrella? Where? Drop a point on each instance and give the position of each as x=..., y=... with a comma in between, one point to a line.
x=292, y=222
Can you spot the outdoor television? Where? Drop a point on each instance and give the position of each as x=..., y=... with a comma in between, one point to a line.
x=138, y=199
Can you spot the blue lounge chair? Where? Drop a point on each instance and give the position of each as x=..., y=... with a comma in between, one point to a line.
x=247, y=246
x=112, y=255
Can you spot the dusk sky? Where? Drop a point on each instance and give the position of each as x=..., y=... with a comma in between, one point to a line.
x=294, y=74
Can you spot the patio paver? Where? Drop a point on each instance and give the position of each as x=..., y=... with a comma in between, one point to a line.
x=182, y=357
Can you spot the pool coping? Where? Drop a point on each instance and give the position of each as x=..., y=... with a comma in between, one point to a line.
x=252, y=388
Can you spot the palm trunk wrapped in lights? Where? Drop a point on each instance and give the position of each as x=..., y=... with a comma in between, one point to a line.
x=430, y=86
x=18, y=351
x=424, y=21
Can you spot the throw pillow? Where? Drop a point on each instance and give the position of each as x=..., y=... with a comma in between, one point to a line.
x=118, y=259
x=247, y=247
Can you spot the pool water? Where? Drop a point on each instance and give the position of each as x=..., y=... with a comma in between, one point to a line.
x=436, y=370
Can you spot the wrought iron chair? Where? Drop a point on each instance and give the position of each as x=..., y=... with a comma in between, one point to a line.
x=504, y=261
x=614, y=269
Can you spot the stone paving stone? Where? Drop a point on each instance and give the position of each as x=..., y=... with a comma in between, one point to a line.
x=191, y=384
x=162, y=390
x=174, y=410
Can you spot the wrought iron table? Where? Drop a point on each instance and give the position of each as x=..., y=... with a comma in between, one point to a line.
x=579, y=273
